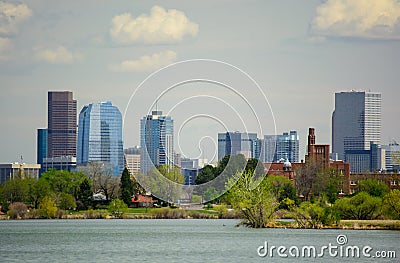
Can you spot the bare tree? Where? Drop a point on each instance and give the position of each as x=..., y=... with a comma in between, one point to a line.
x=306, y=178
x=103, y=180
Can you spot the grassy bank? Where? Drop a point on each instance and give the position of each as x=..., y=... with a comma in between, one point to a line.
x=348, y=224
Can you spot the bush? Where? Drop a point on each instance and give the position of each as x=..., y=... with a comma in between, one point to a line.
x=17, y=210
x=117, y=208
x=48, y=208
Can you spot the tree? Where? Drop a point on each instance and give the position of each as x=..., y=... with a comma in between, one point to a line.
x=281, y=188
x=252, y=198
x=62, y=181
x=85, y=195
x=362, y=206
x=64, y=201
x=373, y=187
x=117, y=208
x=16, y=190
x=306, y=178
x=102, y=179
x=165, y=182
x=126, y=187
x=211, y=194
x=47, y=208
x=391, y=204
x=38, y=188
x=207, y=174
x=254, y=166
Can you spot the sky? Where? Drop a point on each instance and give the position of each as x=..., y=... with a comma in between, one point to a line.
x=248, y=65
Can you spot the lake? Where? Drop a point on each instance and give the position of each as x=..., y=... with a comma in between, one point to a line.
x=183, y=241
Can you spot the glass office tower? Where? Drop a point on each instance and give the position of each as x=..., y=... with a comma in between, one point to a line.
x=100, y=136
x=156, y=140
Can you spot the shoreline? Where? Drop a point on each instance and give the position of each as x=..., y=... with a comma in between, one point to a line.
x=344, y=224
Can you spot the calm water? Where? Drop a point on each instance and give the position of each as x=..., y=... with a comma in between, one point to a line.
x=170, y=241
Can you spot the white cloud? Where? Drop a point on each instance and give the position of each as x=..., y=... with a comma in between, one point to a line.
x=358, y=18
x=11, y=15
x=161, y=26
x=59, y=55
x=145, y=63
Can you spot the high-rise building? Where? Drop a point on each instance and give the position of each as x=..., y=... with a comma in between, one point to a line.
x=233, y=143
x=100, y=136
x=156, y=140
x=41, y=146
x=278, y=147
x=356, y=121
x=61, y=140
x=392, y=156
x=132, y=159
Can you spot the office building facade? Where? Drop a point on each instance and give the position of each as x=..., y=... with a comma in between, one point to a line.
x=356, y=121
x=281, y=147
x=41, y=146
x=62, y=124
x=234, y=143
x=10, y=171
x=156, y=140
x=132, y=159
x=100, y=136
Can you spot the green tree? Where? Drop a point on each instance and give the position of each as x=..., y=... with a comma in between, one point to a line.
x=38, y=188
x=62, y=181
x=126, y=187
x=85, y=195
x=64, y=201
x=281, y=188
x=207, y=174
x=211, y=194
x=252, y=198
x=117, y=208
x=48, y=208
x=391, y=204
x=166, y=182
x=16, y=190
x=362, y=206
x=373, y=187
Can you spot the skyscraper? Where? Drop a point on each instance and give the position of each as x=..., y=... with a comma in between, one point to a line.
x=61, y=140
x=277, y=147
x=100, y=136
x=356, y=121
x=233, y=143
x=41, y=146
x=156, y=140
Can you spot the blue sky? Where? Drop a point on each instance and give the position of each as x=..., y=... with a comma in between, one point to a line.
x=299, y=52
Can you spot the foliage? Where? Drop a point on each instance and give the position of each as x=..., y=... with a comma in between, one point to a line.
x=373, y=187
x=17, y=210
x=196, y=199
x=126, y=187
x=165, y=182
x=281, y=188
x=362, y=206
x=391, y=204
x=315, y=215
x=252, y=198
x=210, y=194
x=37, y=190
x=16, y=190
x=85, y=195
x=47, y=208
x=62, y=181
x=64, y=201
x=221, y=209
x=207, y=174
x=103, y=180
x=117, y=208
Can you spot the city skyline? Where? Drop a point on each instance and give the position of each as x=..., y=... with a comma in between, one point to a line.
x=299, y=59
